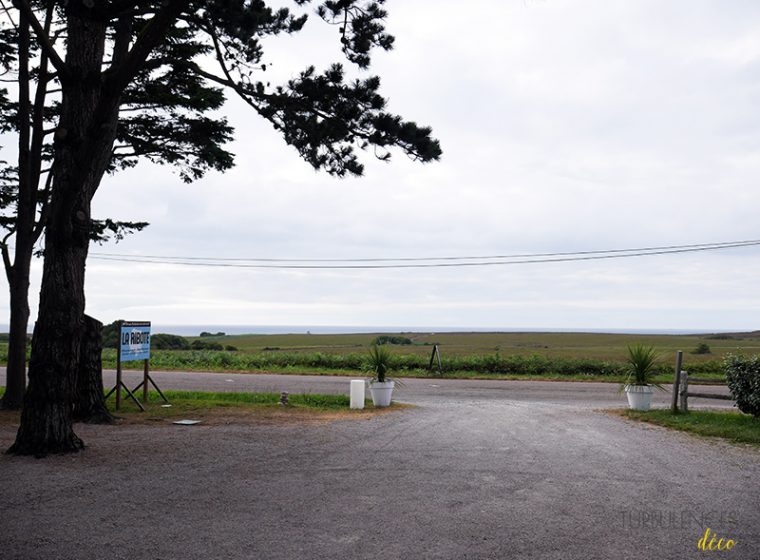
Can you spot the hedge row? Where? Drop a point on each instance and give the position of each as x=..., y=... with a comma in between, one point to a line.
x=487, y=364
x=743, y=377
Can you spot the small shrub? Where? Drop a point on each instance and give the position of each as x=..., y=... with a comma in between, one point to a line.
x=743, y=377
x=230, y=348
x=222, y=360
x=202, y=345
x=701, y=348
x=388, y=339
x=111, y=335
x=162, y=341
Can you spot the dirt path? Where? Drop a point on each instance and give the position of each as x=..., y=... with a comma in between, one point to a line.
x=481, y=474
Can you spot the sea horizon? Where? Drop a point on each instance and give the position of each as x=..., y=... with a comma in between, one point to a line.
x=196, y=329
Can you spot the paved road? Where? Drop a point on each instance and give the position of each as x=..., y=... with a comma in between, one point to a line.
x=415, y=390
x=412, y=391
x=481, y=470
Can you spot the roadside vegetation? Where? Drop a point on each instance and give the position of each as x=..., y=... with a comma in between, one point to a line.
x=731, y=425
x=491, y=366
x=551, y=356
x=221, y=406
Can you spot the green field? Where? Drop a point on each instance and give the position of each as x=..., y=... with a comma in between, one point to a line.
x=553, y=345
x=483, y=355
x=573, y=356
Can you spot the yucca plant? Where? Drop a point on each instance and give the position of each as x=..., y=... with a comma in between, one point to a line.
x=379, y=362
x=642, y=362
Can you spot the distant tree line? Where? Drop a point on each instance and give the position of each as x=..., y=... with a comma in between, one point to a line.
x=163, y=341
x=389, y=339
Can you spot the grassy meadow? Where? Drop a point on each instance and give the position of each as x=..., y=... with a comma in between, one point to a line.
x=611, y=347
x=571, y=356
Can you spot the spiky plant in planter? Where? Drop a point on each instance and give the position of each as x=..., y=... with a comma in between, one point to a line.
x=380, y=386
x=639, y=385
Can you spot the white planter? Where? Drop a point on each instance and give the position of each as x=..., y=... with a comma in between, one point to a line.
x=381, y=392
x=639, y=396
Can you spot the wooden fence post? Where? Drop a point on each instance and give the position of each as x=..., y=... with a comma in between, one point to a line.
x=676, y=382
x=685, y=392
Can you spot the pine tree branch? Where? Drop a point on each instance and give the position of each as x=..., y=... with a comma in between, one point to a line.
x=118, y=77
x=43, y=39
x=6, y=256
x=40, y=225
x=8, y=13
x=38, y=111
x=118, y=8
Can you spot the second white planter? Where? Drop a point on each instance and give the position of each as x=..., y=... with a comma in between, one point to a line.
x=639, y=396
x=381, y=392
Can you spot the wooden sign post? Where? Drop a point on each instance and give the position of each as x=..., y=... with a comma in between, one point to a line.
x=436, y=354
x=134, y=345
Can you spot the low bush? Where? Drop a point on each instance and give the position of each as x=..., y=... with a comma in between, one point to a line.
x=161, y=341
x=496, y=364
x=388, y=339
x=701, y=348
x=111, y=335
x=743, y=377
x=202, y=345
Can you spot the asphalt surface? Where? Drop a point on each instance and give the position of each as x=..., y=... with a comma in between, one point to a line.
x=477, y=469
x=414, y=390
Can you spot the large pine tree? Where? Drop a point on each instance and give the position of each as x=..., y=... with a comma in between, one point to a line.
x=162, y=117
x=110, y=46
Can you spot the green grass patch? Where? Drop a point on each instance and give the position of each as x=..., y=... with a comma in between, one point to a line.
x=731, y=425
x=305, y=400
x=221, y=407
x=187, y=401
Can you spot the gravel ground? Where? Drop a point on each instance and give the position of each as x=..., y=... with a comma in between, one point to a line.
x=473, y=471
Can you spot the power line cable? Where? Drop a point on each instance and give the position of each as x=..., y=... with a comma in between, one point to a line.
x=697, y=246
x=537, y=258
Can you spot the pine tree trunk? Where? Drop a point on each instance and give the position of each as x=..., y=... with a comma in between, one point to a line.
x=89, y=404
x=46, y=419
x=18, y=273
x=15, y=373
x=82, y=149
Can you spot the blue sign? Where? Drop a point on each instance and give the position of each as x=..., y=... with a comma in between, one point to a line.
x=134, y=341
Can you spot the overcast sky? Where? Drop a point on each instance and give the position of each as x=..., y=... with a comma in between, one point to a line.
x=566, y=126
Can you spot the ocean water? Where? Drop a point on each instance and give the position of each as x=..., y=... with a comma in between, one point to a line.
x=195, y=330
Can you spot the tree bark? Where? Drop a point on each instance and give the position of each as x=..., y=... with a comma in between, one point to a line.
x=89, y=404
x=15, y=377
x=18, y=273
x=83, y=143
